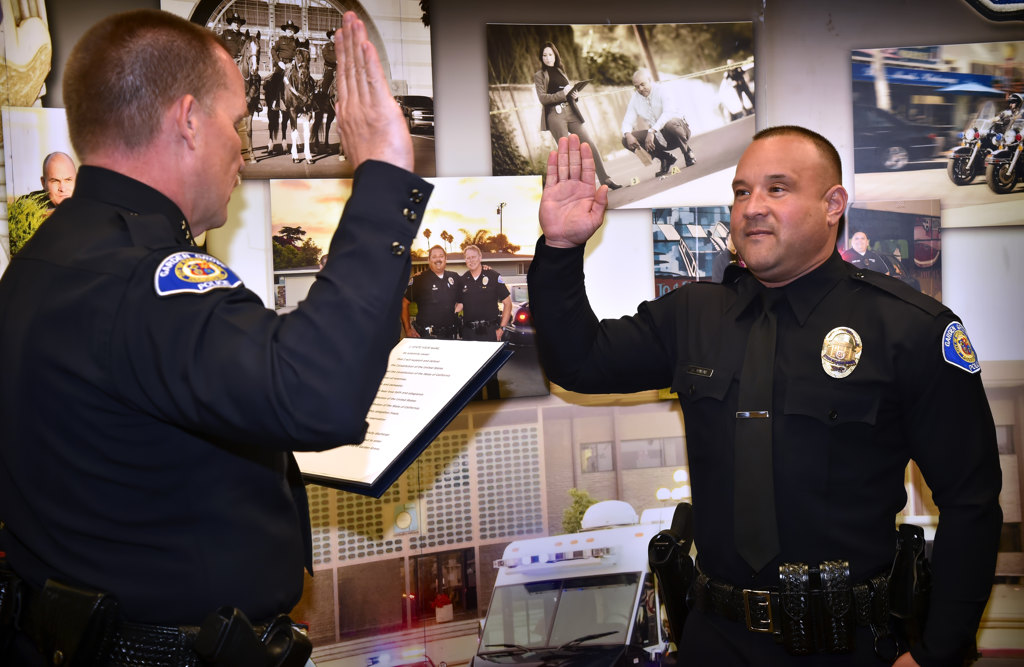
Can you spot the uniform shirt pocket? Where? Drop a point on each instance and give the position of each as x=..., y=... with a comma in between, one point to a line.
x=695, y=381
x=833, y=404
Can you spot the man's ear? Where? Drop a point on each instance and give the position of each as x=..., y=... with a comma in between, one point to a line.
x=835, y=201
x=184, y=115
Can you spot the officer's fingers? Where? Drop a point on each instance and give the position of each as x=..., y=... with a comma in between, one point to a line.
x=552, y=175
x=588, y=167
x=346, y=49
x=563, y=159
x=361, y=58
x=597, y=209
x=575, y=157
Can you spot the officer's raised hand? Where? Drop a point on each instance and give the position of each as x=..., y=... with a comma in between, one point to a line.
x=370, y=121
x=571, y=209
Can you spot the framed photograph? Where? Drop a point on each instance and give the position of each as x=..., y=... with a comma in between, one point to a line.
x=497, y=216
x=667, y=108
x=901, y=238
x=941, y=121
x=285, y=52
x=691, y=244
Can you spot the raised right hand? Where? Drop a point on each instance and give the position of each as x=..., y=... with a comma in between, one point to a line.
x=571, y=208
x=370, y=121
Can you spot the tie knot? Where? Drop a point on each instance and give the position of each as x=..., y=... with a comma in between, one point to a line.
x=771, y=299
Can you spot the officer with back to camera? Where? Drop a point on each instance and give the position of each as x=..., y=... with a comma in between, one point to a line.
x=147, y=483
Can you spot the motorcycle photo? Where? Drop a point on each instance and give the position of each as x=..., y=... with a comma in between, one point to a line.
x=1004, y=167
x=977, y=142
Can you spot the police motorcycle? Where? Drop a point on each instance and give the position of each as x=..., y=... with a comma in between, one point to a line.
x=968, y=159
x=978, y=141
x=1004, y=167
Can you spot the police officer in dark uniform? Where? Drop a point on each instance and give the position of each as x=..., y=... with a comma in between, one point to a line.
x=233, y=36
x=482, y=291
x=865, y=375
x=330, y=60
x=284, y=49
x=862, y=256
x=147, y=482
x=436, y=295
x=282, y=54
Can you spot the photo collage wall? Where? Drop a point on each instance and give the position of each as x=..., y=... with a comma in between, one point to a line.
x=669, y=108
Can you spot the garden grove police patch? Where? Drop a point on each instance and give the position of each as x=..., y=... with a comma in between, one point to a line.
x=840, y=352
x=957, y=348
x=185, y=272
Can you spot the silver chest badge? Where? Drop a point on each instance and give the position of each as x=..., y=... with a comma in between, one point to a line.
x=840, y=352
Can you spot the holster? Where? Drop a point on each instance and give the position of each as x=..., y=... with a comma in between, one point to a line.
x=71, y=626
x=10, y=603
x=910, y=584
x=668, y=554
x=227, y=639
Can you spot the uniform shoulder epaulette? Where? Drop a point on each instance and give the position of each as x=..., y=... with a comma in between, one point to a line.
x=901, y=291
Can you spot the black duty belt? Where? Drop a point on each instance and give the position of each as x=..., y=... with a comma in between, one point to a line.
x=814, y=609
x=436, y=330
x=71, y=625
x=480, y=324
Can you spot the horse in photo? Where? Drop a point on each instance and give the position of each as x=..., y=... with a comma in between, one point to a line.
x=248, y=64
x=324, y=97
x=298, y=103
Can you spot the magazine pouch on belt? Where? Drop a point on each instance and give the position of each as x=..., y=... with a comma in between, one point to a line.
x=72, y=626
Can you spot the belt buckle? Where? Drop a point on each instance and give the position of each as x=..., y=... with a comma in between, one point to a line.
x=764, y=622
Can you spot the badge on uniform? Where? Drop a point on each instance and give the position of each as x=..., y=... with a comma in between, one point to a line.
x=451, y=281
x=185, y=272
x=484, y=281
x=840, y=352
x=957, y=348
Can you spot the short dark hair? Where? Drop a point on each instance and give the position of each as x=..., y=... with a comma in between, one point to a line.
x=825, y=148
x=125, y=72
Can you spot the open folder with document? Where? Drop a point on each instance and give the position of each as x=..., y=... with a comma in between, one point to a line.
x=427, y=384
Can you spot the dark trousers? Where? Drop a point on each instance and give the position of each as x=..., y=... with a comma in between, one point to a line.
x=487, y=334
x=675, y=136
x=566, y=123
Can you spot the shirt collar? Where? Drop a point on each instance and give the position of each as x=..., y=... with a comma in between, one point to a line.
x=135, y=197
x=803, y=294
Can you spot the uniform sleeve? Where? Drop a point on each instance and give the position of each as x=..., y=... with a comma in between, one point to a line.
x=953, y=440
x=222, y=364
x=579, y=352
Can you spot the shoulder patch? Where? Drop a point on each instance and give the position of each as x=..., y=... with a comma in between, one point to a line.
x=500, y=279
x=185, y=272
x=957, y=348
x=900, y=290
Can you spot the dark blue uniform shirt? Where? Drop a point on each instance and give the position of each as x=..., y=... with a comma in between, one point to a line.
x=840, y=444
x=147, y=437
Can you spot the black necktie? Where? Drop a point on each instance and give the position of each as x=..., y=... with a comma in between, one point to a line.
x=756, y=533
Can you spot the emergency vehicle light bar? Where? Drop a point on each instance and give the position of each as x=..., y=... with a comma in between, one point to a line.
x=557, y=557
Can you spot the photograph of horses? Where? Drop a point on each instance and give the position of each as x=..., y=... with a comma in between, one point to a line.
x=285, y=52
